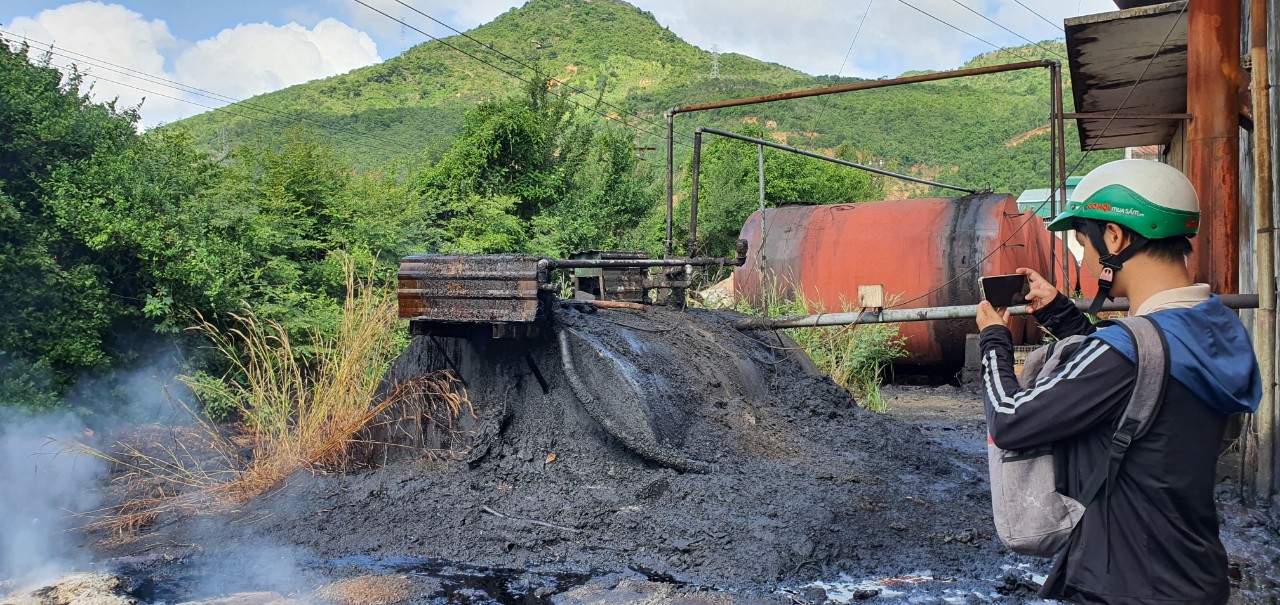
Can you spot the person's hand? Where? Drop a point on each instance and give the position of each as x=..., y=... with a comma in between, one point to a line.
x=990, y=316
x=1040, y=291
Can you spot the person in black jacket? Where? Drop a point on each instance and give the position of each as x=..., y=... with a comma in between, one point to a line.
x=1151, y=536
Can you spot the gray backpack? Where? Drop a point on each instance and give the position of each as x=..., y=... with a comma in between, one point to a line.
x=1031, y=516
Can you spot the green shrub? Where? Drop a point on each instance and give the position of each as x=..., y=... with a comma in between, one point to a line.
x=854, y=356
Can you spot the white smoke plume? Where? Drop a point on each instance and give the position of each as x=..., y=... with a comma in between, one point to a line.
x=44, y=484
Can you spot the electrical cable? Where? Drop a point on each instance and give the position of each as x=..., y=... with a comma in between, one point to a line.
x=1042, y=17
x=160, y=94
x=80, y=58
x=508, y=73
x=993, y=22
x=999, y=49
x=823, y=108
x=1056, y=188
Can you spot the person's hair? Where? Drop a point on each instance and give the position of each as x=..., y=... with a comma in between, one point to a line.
x=1174, y=249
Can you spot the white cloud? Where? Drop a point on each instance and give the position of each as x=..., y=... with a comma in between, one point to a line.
x=113, y=34
x=252, y=59
x=108, y=41
x=813, y=35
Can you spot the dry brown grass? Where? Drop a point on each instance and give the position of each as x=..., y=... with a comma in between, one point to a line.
x=426, y=416
x=299, y=413
x=368, y=590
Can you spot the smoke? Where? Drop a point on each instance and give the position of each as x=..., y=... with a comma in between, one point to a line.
x=44, y=485
x=47, y=484
x=235, y=559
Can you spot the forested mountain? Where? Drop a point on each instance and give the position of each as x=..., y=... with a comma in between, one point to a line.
x=614, y=59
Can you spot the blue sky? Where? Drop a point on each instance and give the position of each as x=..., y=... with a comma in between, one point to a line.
x=239, y=48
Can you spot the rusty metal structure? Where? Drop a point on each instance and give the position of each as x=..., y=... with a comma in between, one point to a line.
x=1055, y=114
x=511, y=295
x=625, y=284
x=452, y=295
x=1179, y=65
x=1213, y=138
x=823, y=253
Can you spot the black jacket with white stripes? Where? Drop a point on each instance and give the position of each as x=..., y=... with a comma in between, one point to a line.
x=1152, y=535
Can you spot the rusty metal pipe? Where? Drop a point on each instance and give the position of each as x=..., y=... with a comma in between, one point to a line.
x=627, y=263
x=1264, y=328
x=819, y=156
x=1060, y=123
x=693, y=199
x=671, y=192
x=814, y=92
x=1213, y=139
x=891, y=316
x=1054, y=78
x=1106, y=115
x=639, y=262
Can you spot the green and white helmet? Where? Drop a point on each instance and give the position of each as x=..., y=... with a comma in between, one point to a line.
x=1154, y=200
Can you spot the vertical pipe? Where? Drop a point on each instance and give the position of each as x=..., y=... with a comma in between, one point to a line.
x=671, y=170
x=1213, y=138
x=1264, y=327
x=693, y=199
x=1061, y=125
x=764, y=283
x=1053, y=172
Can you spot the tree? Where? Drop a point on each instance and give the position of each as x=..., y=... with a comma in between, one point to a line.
x=527, y=176
x=57, y=310
x=729, y=190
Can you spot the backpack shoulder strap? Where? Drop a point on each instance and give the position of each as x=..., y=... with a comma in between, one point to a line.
x=1151, y=358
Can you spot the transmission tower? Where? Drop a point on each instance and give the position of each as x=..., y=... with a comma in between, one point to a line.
x=715, y=61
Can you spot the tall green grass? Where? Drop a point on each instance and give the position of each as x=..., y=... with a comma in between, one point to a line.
x=857, y=357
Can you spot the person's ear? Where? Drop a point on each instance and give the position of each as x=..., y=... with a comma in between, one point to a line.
x=1115, y=238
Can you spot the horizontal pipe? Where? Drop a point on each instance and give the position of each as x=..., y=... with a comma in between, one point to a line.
x=889, y=316
x=625, y=263
x=819, y=156
x=1107, y=115
x=813, y=92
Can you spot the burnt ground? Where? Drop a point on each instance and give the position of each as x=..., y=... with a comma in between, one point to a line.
x=557, y=496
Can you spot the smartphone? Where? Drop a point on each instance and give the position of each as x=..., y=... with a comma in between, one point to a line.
x=1004, y=291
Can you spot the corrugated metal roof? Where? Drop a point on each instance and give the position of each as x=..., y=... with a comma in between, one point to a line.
x=1031, y=199
x=1108, y=52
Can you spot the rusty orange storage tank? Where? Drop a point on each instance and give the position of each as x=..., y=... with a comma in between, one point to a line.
x=925, y=252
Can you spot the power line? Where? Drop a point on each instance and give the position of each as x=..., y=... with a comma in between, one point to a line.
x=856, y=33
x=1042, y=17
x=822, y=109
x=160, y=94
x=989, y=20
x=984, y=41
x=532, y=68
x=176, y=85
x=500, y=69
x=1057, y=186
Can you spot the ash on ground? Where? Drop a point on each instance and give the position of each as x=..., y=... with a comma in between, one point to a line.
x=661, y=450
